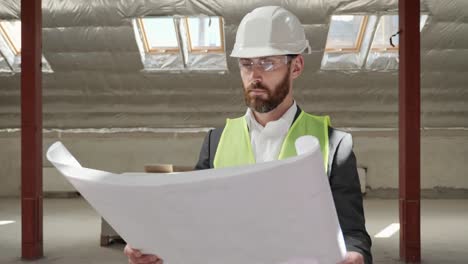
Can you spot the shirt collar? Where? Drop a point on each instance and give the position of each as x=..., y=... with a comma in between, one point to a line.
x=287, y=117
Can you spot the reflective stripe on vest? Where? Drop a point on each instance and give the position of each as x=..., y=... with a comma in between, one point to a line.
x=235, y=148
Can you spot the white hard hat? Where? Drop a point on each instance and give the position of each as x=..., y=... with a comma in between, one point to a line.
x=269, y=31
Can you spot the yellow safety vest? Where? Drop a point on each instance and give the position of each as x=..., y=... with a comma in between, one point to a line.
x=235, y=149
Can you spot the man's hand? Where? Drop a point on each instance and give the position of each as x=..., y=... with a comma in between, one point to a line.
x=136, y=257
x=353, y=258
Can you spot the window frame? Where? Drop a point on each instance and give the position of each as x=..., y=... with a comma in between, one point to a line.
x=359, y=41
x=422, y=18
x=205, y=50
x=16, y=51
x=159, y=50
x=383, y=49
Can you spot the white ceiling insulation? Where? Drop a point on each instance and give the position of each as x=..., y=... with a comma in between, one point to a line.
x=99, y=81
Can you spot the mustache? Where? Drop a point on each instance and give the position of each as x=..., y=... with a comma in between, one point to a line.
x=256, y=86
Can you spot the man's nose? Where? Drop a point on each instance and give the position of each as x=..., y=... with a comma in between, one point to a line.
x=257, y=73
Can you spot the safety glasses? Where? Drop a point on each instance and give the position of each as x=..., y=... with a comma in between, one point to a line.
x=266, y=64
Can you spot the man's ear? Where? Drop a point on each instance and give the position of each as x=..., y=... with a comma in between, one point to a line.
x=297, y=66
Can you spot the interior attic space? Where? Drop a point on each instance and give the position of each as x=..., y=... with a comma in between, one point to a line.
x=217, y=131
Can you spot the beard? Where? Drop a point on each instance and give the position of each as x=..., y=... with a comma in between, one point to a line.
x=274, y=97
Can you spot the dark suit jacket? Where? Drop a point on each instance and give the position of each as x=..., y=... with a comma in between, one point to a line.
x=344, y=183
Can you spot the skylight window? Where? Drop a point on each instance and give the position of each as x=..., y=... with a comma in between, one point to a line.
x=422, y=22
x=11, y=32
x=357, y=42
x=159, y=34
x=346, y=33
x=181, y=43
x=389, y=25
x=10, y=47
x=205, y=34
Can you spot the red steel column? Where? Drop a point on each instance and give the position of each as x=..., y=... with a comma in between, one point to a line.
x=31, y=130
x=409, y=131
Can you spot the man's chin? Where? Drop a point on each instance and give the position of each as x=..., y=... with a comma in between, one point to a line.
x=258, y=99
x=261, y=108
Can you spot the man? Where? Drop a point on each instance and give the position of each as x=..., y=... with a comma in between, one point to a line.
x=269, y=44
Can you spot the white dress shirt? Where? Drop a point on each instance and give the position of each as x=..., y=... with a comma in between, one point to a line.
x=267, y=141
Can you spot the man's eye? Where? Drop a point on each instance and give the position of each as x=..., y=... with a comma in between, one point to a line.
x=267, y=62
x=267, y=65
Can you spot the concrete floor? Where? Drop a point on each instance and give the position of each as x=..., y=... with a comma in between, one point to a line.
x=72, y=231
